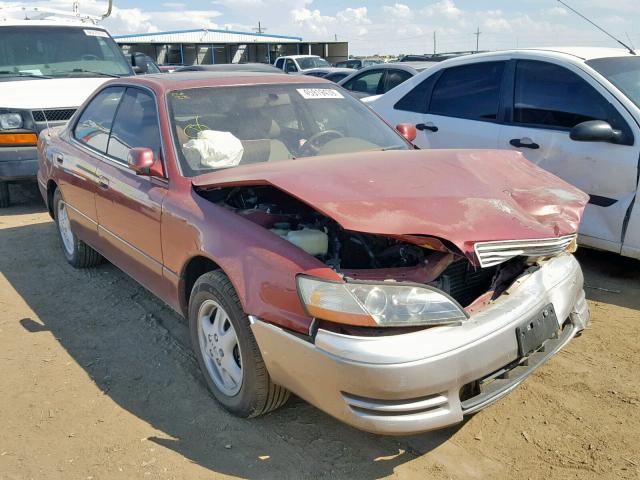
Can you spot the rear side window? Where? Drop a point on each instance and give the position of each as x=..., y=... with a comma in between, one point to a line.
x=552, y=96
x=95, y=122
x=417, y=100
x=395, y=78
x=469, y=91
x=135, y=125
x=279, y=63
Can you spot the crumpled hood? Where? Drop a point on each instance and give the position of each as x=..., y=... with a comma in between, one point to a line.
x=463, y=196
x=47, y=93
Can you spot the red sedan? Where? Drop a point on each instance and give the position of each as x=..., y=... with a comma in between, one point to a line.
x=314, y=250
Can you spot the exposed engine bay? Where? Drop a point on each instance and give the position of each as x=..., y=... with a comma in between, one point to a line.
x=364, y=256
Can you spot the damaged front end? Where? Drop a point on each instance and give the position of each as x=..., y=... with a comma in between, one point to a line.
x=392, y=283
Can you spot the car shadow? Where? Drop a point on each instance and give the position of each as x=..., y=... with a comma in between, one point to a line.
x=25, y=198
x=610, y=278
x=137, y=352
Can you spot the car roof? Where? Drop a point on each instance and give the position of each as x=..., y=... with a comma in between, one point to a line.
x=58, y=22
x=571, y=53
x=162, y=82
x=299, y=56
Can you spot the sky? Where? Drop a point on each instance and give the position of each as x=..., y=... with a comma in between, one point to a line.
x=383, y=26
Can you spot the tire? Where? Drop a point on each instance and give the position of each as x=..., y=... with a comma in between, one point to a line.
x=255, y=394
x=77, y=253
x=4, y=195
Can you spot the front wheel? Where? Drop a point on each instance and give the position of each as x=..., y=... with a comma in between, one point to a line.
x=77, y=253
x=227, y=351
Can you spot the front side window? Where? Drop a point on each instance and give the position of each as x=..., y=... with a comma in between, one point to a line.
x=369, y=83
x=135, y=125
x=552, y=96
x=221, y=127
x=290, y=66
x=469, y=91
x=36, y=51
x=94, y=124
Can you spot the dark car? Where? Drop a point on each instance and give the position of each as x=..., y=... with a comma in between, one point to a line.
x=230, y=67
x=357, y=63
x=313, y=250
x=379, y=79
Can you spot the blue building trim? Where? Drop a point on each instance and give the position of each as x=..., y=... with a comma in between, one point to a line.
x=253, y=34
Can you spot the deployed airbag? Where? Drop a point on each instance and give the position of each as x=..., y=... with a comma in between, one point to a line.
x=213, y=149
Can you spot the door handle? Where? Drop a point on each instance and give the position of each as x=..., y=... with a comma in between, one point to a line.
x=518, y=143
x=103, y=182
x=59, y=158
x=427, y=126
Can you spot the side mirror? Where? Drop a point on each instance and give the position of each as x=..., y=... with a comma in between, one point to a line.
x=142, y=161
x=595, y=131
x=408, y=131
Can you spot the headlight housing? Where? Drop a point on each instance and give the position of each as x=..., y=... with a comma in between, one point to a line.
x=10, y=121
x=378, y=304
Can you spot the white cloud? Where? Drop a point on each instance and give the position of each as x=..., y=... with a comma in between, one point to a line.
x=354, y=16
x=397, y=11
x=444, y=8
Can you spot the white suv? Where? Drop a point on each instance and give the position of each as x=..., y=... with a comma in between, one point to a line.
x=572, y=111
x=300, y=63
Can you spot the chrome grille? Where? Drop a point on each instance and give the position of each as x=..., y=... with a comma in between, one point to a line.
x=493, y=253
x=53, y=115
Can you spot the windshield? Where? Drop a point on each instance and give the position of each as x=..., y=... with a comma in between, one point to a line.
x=623, y=72
x=312, y=62
x=221, y=127
x=35, y=51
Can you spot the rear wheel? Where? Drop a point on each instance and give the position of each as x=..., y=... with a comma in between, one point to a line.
x=77, y=253
x=227, y=351
x=4, y=194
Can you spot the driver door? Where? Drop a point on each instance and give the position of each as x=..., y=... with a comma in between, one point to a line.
x=550, y=99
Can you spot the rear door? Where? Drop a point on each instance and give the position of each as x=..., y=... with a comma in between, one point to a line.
x=546, y=100
x=457, y=107
x=129, y=206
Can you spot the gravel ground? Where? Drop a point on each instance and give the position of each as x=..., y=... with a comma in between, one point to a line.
x=98, y=381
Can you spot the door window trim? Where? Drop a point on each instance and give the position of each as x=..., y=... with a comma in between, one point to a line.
x=510, y=100
x=499, y=119
x=103, y=156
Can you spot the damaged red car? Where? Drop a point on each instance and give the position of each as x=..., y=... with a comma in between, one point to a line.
x=314, y=250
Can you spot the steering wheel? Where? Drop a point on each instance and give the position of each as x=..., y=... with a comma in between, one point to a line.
x=89, y=57
x=318, y=140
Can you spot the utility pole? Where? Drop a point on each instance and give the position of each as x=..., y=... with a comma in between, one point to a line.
x=260, y=28
x=434, y=42
x=477, y=34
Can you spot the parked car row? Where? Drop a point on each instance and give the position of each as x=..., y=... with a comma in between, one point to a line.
x=314, y=250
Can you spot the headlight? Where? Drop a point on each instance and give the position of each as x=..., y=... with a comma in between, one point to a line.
x=383, y=305
x=10, y=121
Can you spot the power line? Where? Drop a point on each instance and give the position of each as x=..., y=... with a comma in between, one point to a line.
x=259, y=28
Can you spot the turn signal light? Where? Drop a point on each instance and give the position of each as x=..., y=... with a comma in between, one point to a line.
x=18, y=139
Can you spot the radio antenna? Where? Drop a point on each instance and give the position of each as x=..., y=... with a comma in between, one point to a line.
x=631, y=51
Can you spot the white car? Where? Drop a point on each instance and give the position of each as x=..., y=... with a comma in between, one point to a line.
x=49, y=65
x=573, y=111
x=300, y=63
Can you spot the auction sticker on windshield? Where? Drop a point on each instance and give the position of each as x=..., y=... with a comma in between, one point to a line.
x=96, y=33
x=310, y=93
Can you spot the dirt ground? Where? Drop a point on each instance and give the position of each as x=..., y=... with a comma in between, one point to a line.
x=98, y=381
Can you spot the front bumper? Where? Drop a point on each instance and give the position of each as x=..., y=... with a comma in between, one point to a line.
x=411, y=383
x=18, y=163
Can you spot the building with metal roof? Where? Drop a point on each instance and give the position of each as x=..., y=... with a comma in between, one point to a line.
x=209, y=46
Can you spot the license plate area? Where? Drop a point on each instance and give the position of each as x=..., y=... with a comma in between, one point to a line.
x=535, y=331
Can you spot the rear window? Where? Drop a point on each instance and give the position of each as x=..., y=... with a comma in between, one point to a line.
x=469, y=91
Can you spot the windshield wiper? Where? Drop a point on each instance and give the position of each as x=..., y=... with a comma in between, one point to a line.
x=23, y=74
x=100, y=74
